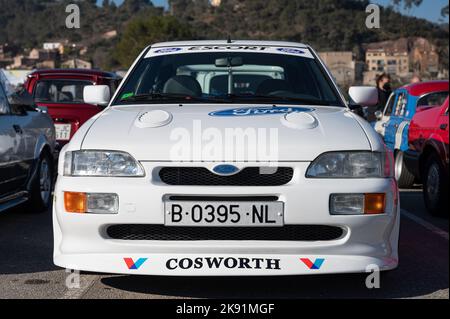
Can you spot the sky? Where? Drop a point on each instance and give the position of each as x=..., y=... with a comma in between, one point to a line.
x=430, y=9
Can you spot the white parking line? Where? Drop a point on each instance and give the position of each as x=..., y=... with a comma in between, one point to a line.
x=427, y=225
x=86, y=282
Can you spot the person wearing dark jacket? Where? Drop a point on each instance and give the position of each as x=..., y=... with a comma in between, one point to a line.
x=384, y=90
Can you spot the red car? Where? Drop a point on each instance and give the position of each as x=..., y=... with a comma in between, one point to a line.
x=428, y=157
x=61, y=92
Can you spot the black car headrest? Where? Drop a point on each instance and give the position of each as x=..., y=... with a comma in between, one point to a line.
x=269, y=86
x=183, y=84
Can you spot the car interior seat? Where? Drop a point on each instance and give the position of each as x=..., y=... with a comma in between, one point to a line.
x=183, y=85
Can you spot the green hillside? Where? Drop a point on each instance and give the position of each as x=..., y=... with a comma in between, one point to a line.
x=325, y=24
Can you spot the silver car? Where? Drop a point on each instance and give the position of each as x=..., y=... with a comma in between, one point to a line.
x=27, y=143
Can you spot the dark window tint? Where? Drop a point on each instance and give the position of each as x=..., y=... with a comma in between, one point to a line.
x=60, y=91
x=433, y=99
x=390, y=105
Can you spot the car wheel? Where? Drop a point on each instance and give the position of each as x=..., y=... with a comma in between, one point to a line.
x=42, y=186
x=435, y=187
x=403, y=176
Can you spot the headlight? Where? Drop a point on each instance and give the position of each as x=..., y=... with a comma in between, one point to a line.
x=101, y=164
x=351, y=165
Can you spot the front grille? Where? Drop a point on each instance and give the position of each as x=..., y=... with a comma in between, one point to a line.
x=286, y=233
x=250, y=176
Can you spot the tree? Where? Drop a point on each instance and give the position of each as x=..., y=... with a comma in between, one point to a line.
x=408, y=4
x=143, y=31
x=444, y=11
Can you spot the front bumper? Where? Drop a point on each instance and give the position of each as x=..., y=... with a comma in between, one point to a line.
x=81, y=242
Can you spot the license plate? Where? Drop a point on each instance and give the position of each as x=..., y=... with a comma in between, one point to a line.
x=63, y=131
x=224, y=214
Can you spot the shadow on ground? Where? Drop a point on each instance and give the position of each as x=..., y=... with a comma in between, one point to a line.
x=26, y=242
x=423, y=270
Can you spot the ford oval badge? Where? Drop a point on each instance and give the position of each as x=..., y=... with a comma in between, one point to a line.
x=226, y=170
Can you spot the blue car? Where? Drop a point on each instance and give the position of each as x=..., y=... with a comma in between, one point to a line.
x=393, y=122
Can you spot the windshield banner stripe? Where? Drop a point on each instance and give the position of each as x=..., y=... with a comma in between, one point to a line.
x=303, y=52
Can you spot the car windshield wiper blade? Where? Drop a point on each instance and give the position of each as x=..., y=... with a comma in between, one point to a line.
x=280, y=98
x=171, y=96
x=159, y=96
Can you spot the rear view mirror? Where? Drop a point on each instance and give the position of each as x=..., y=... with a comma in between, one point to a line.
x=229, y=62
x=97, y=95
x=364, y=95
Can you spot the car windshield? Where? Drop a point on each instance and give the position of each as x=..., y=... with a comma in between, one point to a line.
x=60, y=91
x=229, y=77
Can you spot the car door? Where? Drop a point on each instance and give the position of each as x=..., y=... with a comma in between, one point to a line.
x=13, y=172
x=395, y=125
x=380, y=125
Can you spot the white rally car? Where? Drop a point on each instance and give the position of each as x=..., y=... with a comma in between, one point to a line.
x=221, y=158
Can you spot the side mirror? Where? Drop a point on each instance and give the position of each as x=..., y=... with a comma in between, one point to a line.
x=364, y=95
x=379, y=115
x=97, y=95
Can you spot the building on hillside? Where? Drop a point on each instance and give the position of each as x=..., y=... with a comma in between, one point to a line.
x=389, y=56
x=22, y=62
x=76, y=64
x=341, y=65
x=402, y=58
x=46, y=64
x=56, y=45
x=109, y=35
x=424, y=57
x=36, y=58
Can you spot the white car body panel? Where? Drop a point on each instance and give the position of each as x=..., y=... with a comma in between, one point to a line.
x=336, y=129
x=81, y=241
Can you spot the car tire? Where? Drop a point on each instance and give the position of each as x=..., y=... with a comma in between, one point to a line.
x=404, y=177
x=435, y=186
x=42, y=185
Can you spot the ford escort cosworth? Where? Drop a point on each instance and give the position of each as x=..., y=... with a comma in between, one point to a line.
x=226, y=158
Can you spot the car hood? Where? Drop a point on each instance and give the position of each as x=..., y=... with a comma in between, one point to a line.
x=218, y=132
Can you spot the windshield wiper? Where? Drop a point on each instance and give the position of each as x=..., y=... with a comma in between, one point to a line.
x=159, y=96
x=274, y=98
x=172, y=96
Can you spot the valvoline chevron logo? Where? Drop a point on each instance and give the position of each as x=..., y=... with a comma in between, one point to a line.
x=313, y=265
x=260, y=111
x=134, y=265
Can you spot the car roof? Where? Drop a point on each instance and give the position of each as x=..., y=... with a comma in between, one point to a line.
x=86, y=72
x=226, y=42
x=421, y=88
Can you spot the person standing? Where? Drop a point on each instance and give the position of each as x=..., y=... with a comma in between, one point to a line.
x=384, y=90
x=415, y=79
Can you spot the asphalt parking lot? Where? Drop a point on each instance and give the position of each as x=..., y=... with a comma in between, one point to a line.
x=27, y=271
